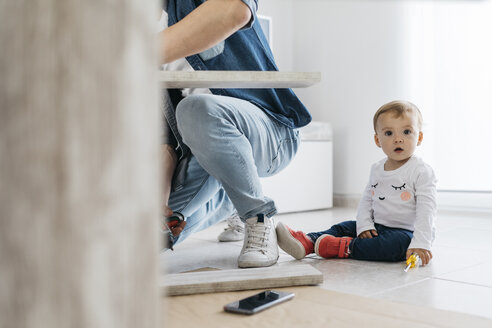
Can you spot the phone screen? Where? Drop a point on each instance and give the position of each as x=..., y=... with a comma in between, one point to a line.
x=258, y=302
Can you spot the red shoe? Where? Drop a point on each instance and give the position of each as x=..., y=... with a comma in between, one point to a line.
x=328, y=246
x=294, y=243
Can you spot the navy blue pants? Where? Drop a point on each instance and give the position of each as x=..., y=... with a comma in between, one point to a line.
x=390, y=245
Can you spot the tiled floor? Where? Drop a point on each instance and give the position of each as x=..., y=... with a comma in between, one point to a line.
x=459, y=278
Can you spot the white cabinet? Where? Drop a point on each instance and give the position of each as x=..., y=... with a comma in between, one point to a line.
x=307, y=182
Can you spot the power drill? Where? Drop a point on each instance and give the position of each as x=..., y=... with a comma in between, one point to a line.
x=171, y=222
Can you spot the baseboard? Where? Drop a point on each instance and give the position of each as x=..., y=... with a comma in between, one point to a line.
x=346, y=200
x=468, y=201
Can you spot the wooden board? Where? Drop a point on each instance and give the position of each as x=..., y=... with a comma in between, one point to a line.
x=312, y=307
x=237, y=79
x=240, y=279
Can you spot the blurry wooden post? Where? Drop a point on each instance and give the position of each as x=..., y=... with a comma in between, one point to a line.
x=79, y=194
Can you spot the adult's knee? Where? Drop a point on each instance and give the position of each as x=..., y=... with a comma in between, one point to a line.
x=197, y=108
x=195, y=116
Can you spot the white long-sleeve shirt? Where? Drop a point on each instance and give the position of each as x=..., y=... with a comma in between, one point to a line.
x=403, y=198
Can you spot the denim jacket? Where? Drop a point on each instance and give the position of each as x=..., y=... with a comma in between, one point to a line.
x=245, y=50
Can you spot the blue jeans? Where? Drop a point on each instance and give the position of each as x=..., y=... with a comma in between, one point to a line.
x=391, y=244
x=233, y=143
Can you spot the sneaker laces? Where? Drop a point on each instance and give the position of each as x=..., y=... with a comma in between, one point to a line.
x=257, y=237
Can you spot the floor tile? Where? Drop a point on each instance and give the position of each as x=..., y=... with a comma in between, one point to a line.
x=449, y=259
x=478, y=275
x=195, y=254
x=445, y=295
x=316, y=220
x=349, y=277
x=466, y=238
x=455, y=219
x=459, y=278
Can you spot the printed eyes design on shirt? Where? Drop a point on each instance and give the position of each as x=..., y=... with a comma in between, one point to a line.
x=400, y=187
x=404, y=195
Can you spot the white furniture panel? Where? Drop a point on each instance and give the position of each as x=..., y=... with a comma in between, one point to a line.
x=307, y=183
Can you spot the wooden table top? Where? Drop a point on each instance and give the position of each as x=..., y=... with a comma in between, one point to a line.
x=237, y=79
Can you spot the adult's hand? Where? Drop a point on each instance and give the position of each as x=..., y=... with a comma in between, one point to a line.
x=167, y=211
x=177, y=229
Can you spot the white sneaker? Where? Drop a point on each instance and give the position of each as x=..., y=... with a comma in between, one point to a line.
x=260, y=247
x=234, y=230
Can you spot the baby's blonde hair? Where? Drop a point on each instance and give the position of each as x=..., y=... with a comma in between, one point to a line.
x=398, y=108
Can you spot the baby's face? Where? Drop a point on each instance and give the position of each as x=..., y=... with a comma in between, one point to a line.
x=398, y=136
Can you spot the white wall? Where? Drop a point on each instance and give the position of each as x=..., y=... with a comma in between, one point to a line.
x=362, y=52
x=283, y=30
x=370, y=52
x=463, y=46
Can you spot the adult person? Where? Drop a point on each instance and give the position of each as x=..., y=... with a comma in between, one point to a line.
x=218, y=142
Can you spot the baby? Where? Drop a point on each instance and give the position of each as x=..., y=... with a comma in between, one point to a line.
x=395, y=216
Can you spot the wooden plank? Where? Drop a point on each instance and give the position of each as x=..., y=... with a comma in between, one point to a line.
x=237, y=79
x=312, y=307
x=79, y=197
x=240, y=279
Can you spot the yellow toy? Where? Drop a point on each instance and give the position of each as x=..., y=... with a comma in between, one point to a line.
x=412, y=262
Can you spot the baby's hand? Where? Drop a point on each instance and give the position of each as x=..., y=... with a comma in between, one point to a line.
x=424, y=254
x=368, y=234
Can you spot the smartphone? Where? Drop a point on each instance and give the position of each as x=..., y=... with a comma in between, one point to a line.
x=258, y=302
